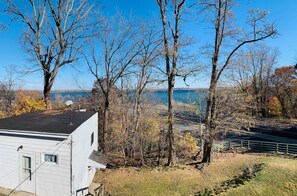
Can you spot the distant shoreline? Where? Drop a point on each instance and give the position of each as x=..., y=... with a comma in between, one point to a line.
x=69, y=91
x=150, y=89
x=165, y=89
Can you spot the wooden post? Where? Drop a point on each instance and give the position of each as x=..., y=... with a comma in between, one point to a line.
x=277, y=148
x=248, y=145
x=287, y=149
x=241, y=143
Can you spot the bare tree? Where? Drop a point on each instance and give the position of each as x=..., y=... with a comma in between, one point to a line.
x=120, y=46
x=55, y=32
x=144, y=66
x=172, y=42
x=226, y=31
x=252, y=70
x=7, y=91
x=232, y=109
x=262, y=61
x=144, y=72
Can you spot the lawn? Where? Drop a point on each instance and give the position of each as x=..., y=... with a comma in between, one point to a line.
x=278, y=177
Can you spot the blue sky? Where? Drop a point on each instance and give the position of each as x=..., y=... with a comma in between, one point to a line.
x=283, y=12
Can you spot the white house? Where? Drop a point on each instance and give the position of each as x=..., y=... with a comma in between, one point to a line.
x=49, y=153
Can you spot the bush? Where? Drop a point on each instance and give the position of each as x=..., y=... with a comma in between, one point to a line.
x=186, y=146
x=27, y=102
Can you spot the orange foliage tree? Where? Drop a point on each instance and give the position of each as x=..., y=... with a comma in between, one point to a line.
x=28, y=101
x=284, y=87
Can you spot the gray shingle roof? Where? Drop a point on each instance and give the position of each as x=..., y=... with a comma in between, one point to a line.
x=64, y=122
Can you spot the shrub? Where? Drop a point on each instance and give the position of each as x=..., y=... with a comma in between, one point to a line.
x=186, y=146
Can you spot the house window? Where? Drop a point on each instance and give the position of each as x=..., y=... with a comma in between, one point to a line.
x=92, y=138
x=27, y=170
x=51, y=158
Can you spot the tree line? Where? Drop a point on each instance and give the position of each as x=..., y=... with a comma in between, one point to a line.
x=125, y=55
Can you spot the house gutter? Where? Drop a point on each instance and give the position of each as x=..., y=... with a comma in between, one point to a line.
x=34, y=132
x=33, y=135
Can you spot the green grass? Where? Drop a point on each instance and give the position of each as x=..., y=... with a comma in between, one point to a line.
x=279, y=177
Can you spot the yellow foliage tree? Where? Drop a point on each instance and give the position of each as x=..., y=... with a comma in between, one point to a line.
x=274, y=106
x=2, y=115
x=186, y=146
x=27, y=102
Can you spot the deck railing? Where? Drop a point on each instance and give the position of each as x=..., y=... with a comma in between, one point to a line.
x=99, y=191
x=82, y=192
x=259, y=146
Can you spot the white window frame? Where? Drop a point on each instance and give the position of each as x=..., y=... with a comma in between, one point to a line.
x=51, y=162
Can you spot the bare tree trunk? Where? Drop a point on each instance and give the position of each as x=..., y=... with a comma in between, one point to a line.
x=284, y=108
x=125, y=144
x=142, y=156
x=210, y=116
x=136, y=112
x=171, y=66
x=47, y=100
x=105, y=124
x=207, y=151
x=171, y=147
x=160, y=147
x=47, y=91
x=135, y=126
x=124, y=157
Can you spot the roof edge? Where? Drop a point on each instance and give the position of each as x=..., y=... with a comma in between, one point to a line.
x=35, y=133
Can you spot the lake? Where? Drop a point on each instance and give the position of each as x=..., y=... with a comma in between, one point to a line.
x=154, y=96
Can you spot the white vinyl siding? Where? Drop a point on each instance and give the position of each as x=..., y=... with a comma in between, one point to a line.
x=81, y=150
x=49, y=176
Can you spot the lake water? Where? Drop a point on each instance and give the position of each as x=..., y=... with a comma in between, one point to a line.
x=182, y=96
x=154, y=96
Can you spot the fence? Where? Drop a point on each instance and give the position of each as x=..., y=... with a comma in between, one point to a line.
x=261, y=146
